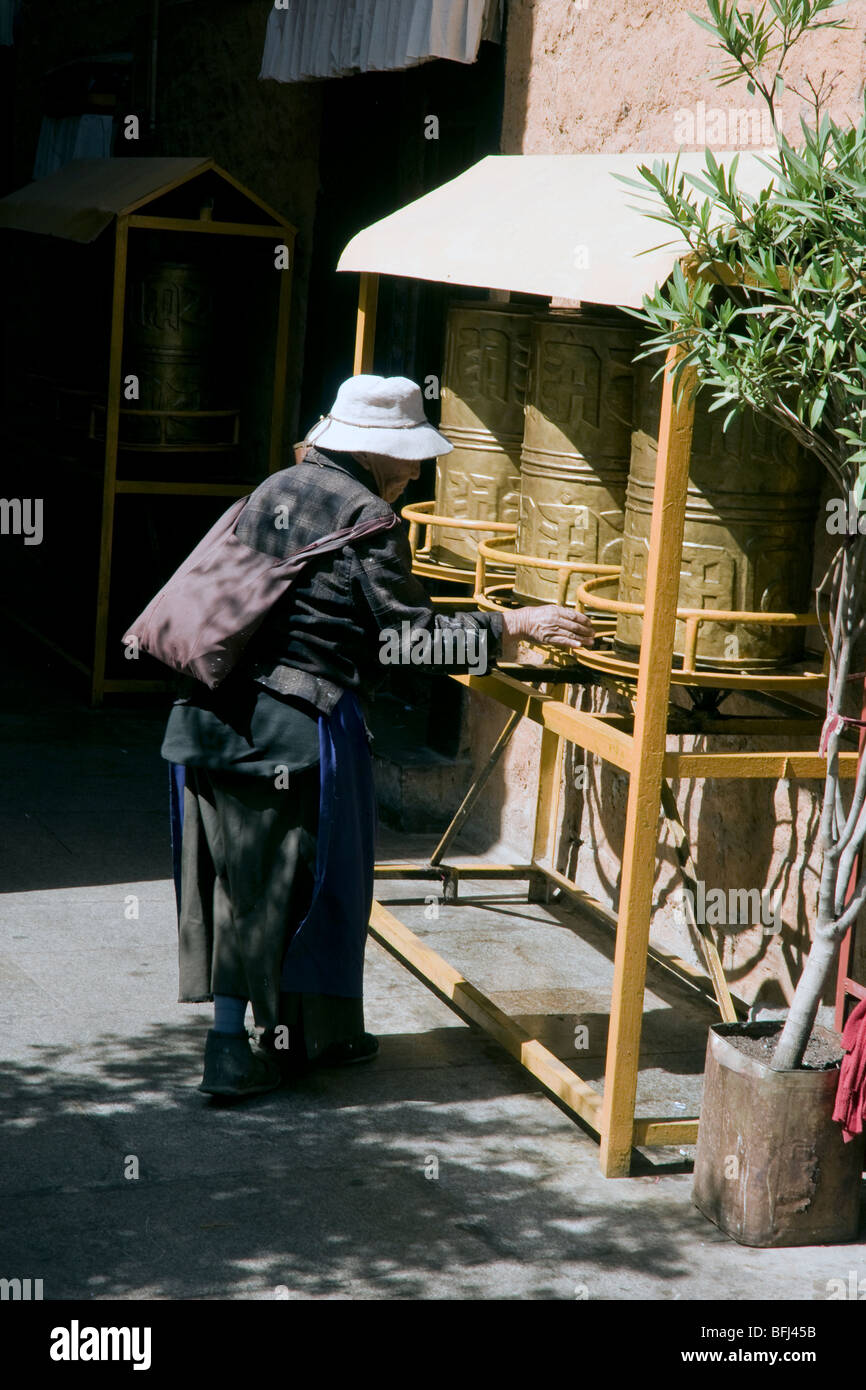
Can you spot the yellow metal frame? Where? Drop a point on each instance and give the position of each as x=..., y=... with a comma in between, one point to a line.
x=276, y=229
x=422, y=518
x=637, y=746
x=492, y=593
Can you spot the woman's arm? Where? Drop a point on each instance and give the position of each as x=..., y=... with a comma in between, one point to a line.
x=405, y=616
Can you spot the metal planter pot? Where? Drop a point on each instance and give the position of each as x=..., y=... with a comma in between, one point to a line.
x=772, y=1167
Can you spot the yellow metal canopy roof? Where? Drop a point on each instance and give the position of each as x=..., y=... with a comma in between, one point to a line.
x=84, y=197
x=555, y=225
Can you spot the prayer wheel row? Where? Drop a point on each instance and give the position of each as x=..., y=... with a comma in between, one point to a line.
x=483, y=398
x=555, y=428
x=574, y=461
x=751, y=509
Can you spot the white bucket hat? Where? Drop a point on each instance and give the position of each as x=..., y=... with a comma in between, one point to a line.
x=379, y=415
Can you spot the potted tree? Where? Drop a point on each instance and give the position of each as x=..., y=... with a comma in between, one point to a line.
x=773, y=319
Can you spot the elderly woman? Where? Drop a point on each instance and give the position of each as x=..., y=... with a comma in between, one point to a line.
x=276, y=861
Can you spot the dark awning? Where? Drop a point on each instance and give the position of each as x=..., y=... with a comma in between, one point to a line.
x=83, y=198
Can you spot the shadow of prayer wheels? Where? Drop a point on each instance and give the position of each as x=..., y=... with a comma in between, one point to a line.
x=483, y=395
x=749, y=531
x=170, y=345
x=574, y=462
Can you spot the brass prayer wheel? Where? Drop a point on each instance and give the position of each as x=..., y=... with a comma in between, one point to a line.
x=750, y=517
x=170, y=344
x=574, y=462
x=483, y=394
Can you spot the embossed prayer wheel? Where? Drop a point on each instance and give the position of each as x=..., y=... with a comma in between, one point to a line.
x=170, y=346
x=483, y=394
x=574, y=462
x=750, y=517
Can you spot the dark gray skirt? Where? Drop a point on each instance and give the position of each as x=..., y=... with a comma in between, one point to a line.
x=248, y=865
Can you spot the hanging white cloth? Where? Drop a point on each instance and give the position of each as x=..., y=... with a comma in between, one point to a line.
x=332, y=38
x=442, y=30
x=493, y=17
x=64, y=138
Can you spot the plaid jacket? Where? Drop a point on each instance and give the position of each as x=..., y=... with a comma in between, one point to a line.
x=323, y=637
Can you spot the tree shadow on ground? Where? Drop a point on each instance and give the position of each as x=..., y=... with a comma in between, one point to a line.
x=326, y=1189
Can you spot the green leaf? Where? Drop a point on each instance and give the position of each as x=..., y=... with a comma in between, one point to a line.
x=705, y=24
x=817, y=408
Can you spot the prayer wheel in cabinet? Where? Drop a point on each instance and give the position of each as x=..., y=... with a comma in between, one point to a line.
x=749, y=530
x=170, y=345
x=575, y=456
x=483, y=394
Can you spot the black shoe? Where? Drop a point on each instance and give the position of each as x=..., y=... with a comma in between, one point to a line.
x=286, y=1050
x=233, y=1068
x=346, y=1054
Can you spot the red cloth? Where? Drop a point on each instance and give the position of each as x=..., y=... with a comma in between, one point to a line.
x=850, y=1109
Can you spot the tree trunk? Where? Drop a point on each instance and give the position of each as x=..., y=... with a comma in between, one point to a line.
x=842, y=829
x=804, y=1007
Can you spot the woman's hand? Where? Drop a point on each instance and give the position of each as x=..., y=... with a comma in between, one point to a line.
x=549, y=624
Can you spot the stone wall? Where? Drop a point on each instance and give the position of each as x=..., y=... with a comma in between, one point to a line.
x=583, y=75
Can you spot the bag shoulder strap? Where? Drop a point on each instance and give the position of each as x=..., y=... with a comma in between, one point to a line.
x=335, y=540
